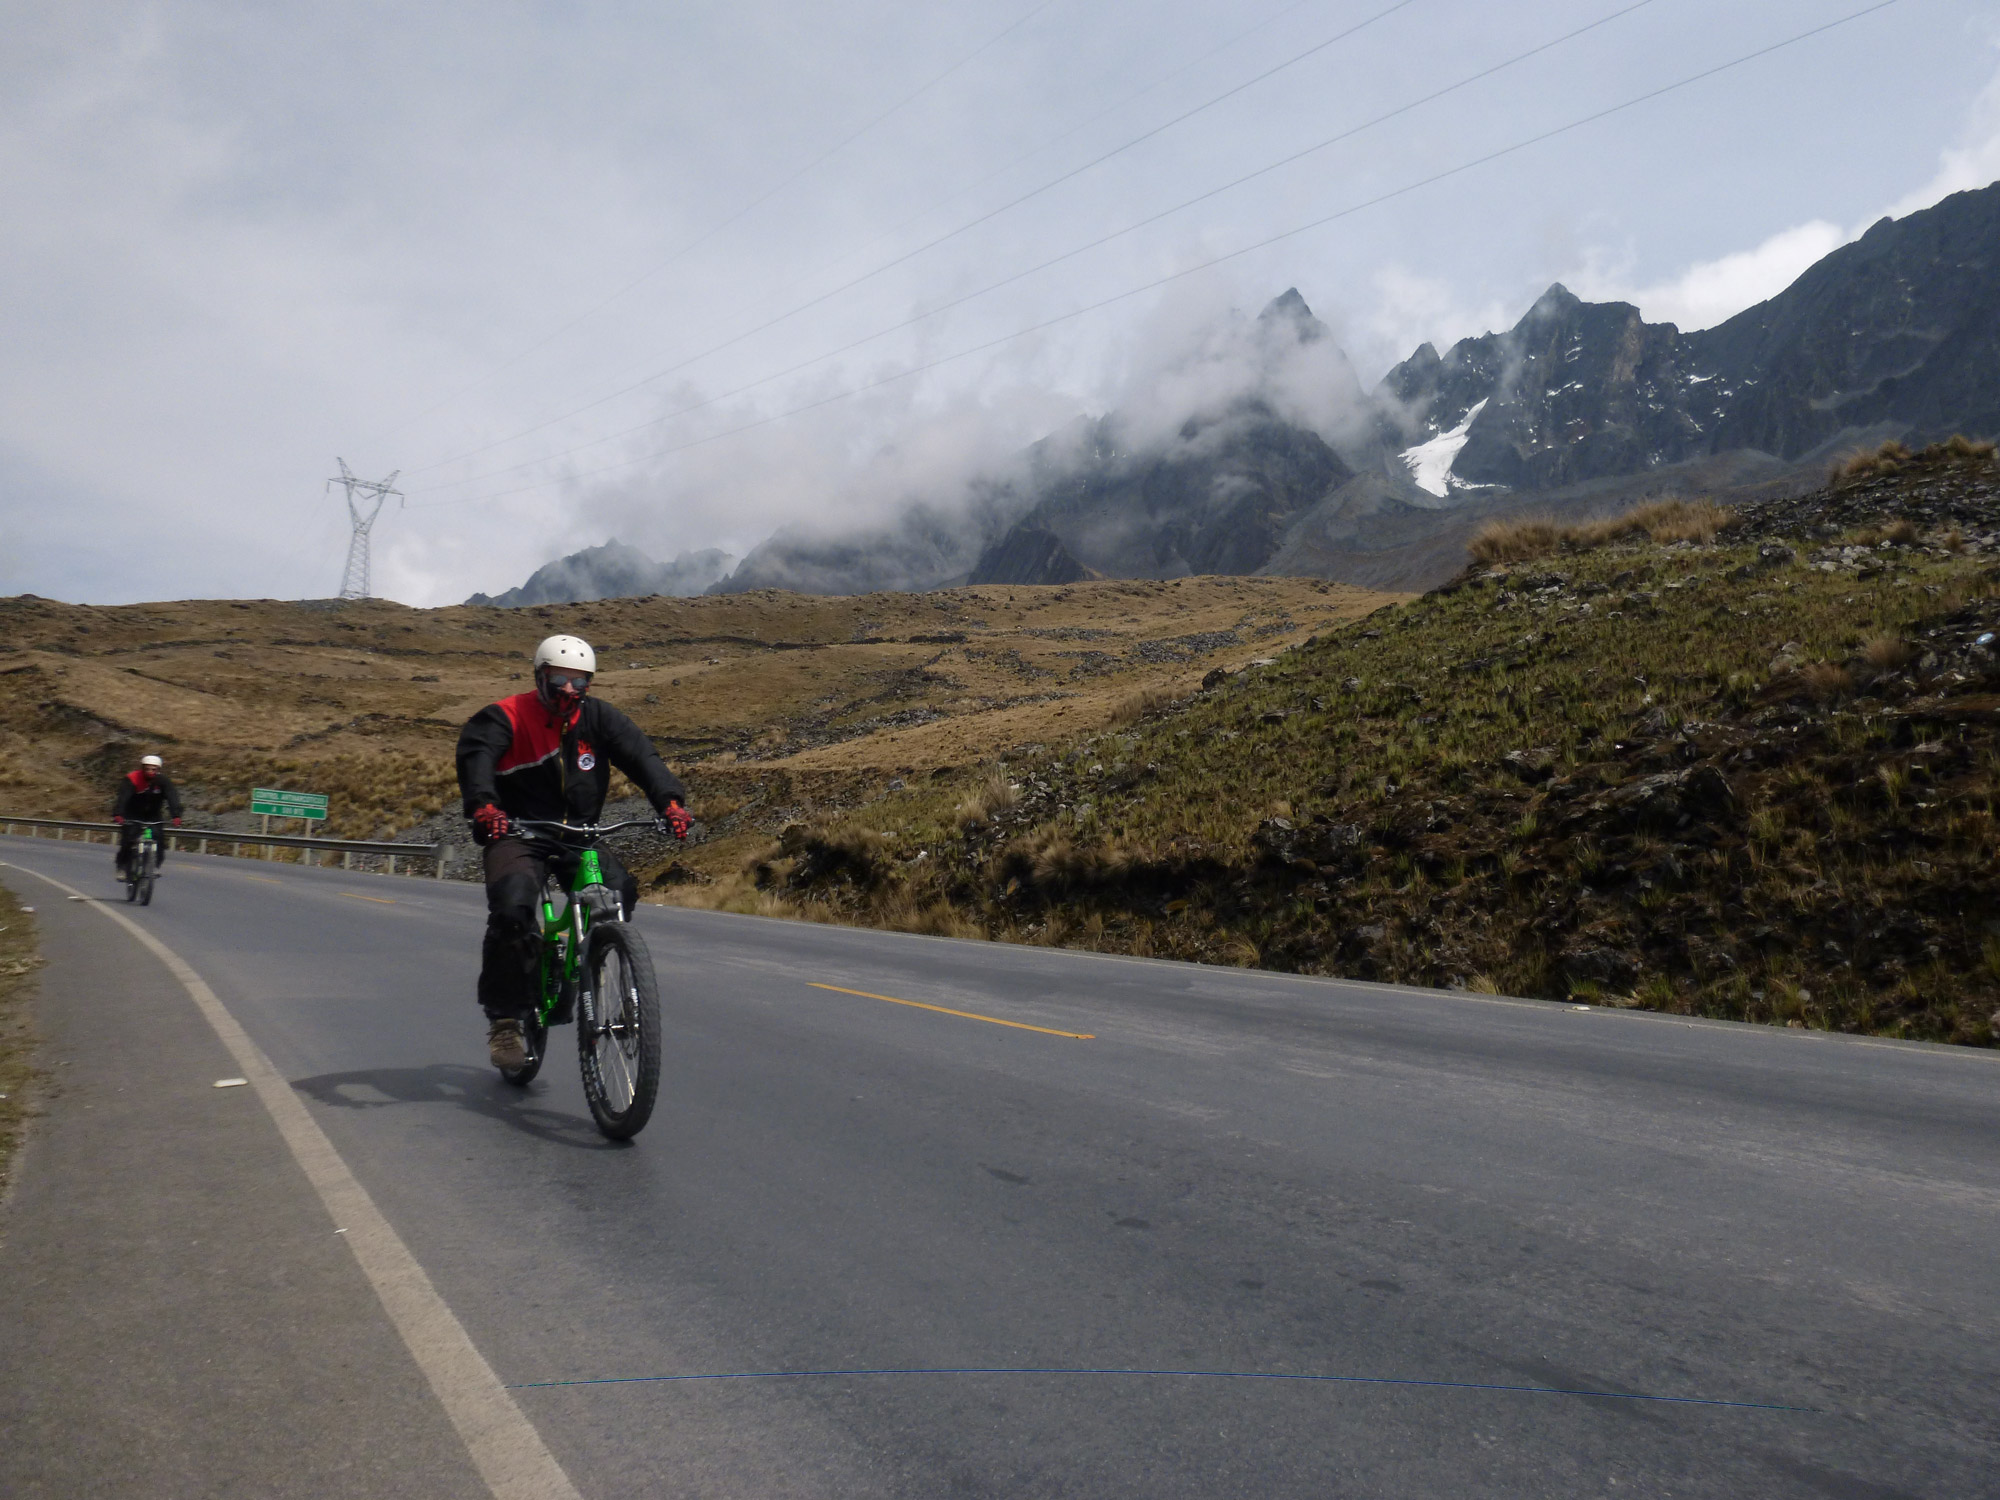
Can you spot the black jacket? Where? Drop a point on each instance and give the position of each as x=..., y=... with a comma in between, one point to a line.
x=514, y=753
x=143, y=803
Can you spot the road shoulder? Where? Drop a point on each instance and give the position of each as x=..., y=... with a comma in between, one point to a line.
x=20, y=957
x=182, y=1316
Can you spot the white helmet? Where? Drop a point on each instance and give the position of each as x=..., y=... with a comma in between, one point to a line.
x=154, y=761
x=566, y=651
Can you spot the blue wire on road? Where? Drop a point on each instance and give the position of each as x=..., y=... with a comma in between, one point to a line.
x=1449, y=1385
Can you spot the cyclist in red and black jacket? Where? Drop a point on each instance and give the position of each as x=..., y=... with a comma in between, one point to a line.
x=142, y=796
x=546, y=754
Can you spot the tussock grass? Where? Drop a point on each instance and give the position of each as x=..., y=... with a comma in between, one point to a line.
x=1826, y=681
x=1137, y=705
x=1888, y=652
x=1529, y=538
x=994, y=794
x=1894, y=457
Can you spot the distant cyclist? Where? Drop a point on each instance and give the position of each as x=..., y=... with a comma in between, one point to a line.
x=546, y=754
x=142, y=796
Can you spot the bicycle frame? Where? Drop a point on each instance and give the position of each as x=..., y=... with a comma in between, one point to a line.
x=565, y=934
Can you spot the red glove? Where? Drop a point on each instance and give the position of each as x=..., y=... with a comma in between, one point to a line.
x=177, y=822
x=677, y=818
x=490, y=823
x=118, y=820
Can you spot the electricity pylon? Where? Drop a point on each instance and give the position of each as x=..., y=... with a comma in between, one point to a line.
x=354, y=583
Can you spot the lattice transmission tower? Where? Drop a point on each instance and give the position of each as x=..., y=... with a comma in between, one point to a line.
x=354, y=583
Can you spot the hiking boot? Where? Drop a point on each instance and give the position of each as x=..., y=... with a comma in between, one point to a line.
x=505, y=1045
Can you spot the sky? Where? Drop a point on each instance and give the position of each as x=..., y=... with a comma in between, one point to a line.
x=687, y=274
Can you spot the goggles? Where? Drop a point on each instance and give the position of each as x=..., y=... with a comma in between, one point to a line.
x=560, y=681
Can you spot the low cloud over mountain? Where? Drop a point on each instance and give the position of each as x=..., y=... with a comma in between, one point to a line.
x=1249, y=446
x=614, y=571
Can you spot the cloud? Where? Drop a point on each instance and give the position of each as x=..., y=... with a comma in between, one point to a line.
x=1407, y=309
x=1198, y=354
x=1972, y=163
x=1710, y=291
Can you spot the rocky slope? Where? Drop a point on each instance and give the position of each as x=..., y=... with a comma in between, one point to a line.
x=1895, y=335
x=614, y=571
x=1755, y=779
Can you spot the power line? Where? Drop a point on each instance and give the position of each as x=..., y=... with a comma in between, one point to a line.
x=932, y=244
x=714, y=229
x=1186, y=271
x=1033, y=151
x=1070, y=254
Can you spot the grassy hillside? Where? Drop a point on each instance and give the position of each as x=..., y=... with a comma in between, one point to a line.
x=768, y=701
x=1752, y=777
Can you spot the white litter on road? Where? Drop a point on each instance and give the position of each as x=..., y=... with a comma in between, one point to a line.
x=231, y=1083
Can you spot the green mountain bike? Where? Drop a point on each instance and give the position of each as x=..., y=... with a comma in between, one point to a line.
x=595, y=969
x=142, y=865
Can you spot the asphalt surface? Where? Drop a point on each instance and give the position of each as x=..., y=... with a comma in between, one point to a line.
x=1458, y=1206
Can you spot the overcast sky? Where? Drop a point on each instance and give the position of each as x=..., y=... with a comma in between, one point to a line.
x=552, y=262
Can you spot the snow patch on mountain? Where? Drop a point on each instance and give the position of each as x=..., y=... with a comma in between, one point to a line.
x=1430, y=463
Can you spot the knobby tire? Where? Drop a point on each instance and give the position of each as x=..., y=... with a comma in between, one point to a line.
x=618, y=1031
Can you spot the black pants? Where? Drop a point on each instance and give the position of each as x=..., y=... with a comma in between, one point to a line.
x=509, y=958
x=128, y=837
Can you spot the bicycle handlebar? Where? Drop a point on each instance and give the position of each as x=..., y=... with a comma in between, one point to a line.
x=589, y=830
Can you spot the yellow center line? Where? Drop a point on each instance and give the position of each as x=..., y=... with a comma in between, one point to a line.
x=1078, y=1036
x=378, y=900
x=264, y=879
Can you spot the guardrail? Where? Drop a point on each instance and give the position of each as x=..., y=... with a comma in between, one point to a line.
x=179, y=838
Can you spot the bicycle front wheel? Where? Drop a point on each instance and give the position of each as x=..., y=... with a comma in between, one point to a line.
x=147, y=874
x=618, y=1031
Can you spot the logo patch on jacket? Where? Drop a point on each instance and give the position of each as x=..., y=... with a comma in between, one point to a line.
x=586, y=758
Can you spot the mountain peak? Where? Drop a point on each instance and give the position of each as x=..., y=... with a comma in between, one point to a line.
x=1289, y=310
x=1557, y=299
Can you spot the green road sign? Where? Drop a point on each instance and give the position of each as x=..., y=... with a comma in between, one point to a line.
x=275, y=804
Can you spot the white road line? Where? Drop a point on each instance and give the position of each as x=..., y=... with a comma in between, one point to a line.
x=504, y=1445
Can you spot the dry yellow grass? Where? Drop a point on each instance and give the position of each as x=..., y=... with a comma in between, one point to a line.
x=1526, y=538
x=993, y=794
x=1135, y=706
x=1888, y=653
x=1826, y=680
x=1892, y=457
x=766, y=701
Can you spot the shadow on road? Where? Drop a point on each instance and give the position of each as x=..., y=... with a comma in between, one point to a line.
x=479, y=1090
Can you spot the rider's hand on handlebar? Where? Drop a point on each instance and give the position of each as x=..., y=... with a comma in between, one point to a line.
x=676, y=820
x=118, y=820
x=490, y=823
x=177, y=822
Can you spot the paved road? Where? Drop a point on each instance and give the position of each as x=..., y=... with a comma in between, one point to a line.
x=1441, y=1199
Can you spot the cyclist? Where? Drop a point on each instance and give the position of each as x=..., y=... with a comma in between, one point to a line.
x=142, y=796
x=546, y=754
